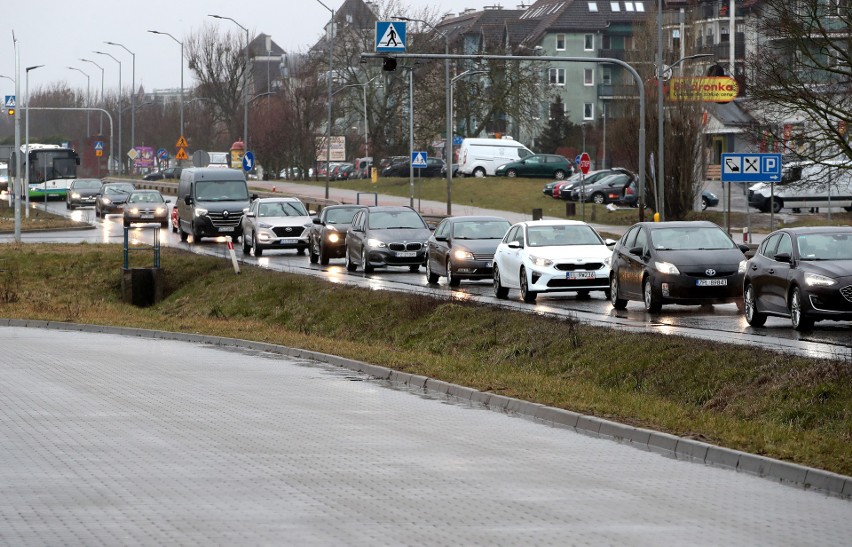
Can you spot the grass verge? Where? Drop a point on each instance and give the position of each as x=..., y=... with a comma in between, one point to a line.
x=778, y=405
x=38, y=219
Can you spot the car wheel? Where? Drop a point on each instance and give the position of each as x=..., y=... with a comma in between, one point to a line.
x=452, y=279
x=797, y=315
x=183, y=235
x=559, y=175
x=479, y=172
x=256, y=249
x=431, y=277
x=68, y=206
x=499, y=290
x=652, y=301
x=703, y=204
x=511, y=173
x=301, y=251
x=196, y=235
x=365, y=263
x=164, y=224
x=528, y=295
x=754, y=317
x=97, y=212
x=617, y=303
x=598, y=198
x=777, y=205
x=414, y=268
x=246, y=247
x=323, y=255
x=313, y=254
x=350, y=266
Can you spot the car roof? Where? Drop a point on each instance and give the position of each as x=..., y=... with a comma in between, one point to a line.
x=281, y=199
x=379, y=208
x=801, y=230
x=680, y=224
x=470, y=218
x=554, y=222
x=344, y=206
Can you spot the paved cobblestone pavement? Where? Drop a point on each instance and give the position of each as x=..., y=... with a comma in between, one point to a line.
x=111, y=440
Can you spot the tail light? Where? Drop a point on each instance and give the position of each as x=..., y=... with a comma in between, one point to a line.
x=628, y=191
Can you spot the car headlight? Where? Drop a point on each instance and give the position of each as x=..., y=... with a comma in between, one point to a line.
x=160, y=211
x=134, y=211
x=816, y=280
x=375, y=243
x=199, y=212
x=463, y=255
x=333, y=237
x=75, y=195
x=608, y=261
x=264, y=225
x=742, y=266
x=666, y=268
x=501, y=167
x=106, y=201
x=540, y=262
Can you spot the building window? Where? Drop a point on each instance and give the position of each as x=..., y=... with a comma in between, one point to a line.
x=593, y=6
x=606, y=76
x=560, y=42
x=640, y=7
x=589, y=76
x=557, y=76
x=589, y=42
x=589, y=111
x=614, y=7
x=628, y=6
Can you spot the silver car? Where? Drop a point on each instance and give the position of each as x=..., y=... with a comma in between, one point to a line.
x=275, y=223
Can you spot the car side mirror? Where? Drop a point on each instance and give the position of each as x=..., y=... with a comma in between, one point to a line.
x=187, y=199
x=253, y=197
x=514, y=244
x=440, y=238
x=783, y=257
x=638, y=251
x=250, y=214
x=744, y=248
x=610, y=242
x=316, y=220
x=311, y=212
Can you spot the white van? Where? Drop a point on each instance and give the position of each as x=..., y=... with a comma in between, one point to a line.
x=219, y=160
x=480, y=157
x=805, y=185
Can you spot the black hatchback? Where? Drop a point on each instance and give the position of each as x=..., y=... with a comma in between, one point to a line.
x=685, y=262
x=801, y=273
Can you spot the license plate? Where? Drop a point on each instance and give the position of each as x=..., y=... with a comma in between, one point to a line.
x=489, y=264
x=227, y=229
x=580, y=275
x=407, y=254
x=286, y=241
x=146, y=216
x=711, y=282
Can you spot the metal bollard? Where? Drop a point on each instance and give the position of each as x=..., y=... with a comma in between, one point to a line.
x=536, y=214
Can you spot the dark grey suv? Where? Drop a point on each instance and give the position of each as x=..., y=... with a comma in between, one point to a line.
x=386, y=236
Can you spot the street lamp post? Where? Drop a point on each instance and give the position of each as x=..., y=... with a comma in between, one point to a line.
x=88, y=99
x=328, y=77
x=120, y=147
x=101, y=130
x=245, y=82
x=366, y=120
x=448, y=142
x=181, y=73
x=470, y=72
x=132, y=95
x=27, y=137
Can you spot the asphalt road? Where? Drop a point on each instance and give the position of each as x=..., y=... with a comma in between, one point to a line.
x=114, y=440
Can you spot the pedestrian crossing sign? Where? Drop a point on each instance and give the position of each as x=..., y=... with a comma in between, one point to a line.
x=390, y=37
x=99, y=145
x=418, y=159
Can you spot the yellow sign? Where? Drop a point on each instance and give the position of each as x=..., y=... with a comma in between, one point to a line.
x=719, y=89
x=181, y=155
x=181, y=143
x=99, y=153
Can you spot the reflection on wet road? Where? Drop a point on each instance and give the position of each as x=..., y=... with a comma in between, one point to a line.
x=721, y=323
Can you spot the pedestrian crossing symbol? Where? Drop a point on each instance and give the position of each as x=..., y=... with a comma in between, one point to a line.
x=390, y=37
x=10, y=102
x=418, y=159
x=99, y=145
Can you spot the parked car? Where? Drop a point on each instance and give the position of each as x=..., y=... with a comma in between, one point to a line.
x=608, y=189
x=683, y=262
x=708, y=199
x=345, y=171
x=549, y=256
x=275, y=223
x=537, y=165
x=146, y=206
x=327, y=234
x=112, y=197
x=481, y=157
x=463, y=248
x=806, y=185
x=168, y=173
x=444, y=170
x=801, y=273
x=386, y=236
x=577, y=179
x=433, y=168
x=82, y=192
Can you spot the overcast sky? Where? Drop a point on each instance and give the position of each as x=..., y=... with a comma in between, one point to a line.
x=57, y=33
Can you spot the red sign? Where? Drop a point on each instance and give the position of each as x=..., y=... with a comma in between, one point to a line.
x=585, y=163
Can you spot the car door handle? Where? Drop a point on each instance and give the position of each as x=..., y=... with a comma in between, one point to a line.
x=772, y=270
x=754, y=267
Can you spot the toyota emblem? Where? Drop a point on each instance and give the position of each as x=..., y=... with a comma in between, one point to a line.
x=710, y=272
x=225, y=214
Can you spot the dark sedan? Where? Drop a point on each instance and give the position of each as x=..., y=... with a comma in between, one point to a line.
x=608, y=189
x=801, y=273
x=168, y=173
x=82, y=192
x=676, y=263
x=537, y=165
x=146, y=206
x=386, y=236
x=433, y=168
x=112, y=197
x=463, y=248
x=327, y=234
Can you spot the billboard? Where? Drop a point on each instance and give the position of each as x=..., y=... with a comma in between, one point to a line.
x=143, y=158
x=338, y=148
x=716, y=89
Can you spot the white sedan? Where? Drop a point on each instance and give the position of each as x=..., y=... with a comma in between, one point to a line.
x=552, y=256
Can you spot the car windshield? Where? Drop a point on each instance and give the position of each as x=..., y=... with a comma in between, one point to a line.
x=340, y=216
x=383, y=220
x=281, y=209
x=87, y=184
x=123, y=190
x=690, y=238
x=562, y=235
x=836, y=246
x=487, y=229
x=145, y=197
x=221, y=190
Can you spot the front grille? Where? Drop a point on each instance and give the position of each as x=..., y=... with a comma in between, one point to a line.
x=702, y=273
x=405, y=246
x=288, y=231
x=489, y=256
x=589, y=267
x=847, y=292
x=221, y=221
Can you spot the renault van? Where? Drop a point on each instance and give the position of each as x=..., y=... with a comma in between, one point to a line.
x=211, y=202
x=806, y=185
x=480, y=157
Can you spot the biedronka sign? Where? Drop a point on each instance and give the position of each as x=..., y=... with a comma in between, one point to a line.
x=717, y=89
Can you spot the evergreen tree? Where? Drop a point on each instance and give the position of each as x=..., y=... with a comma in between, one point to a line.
x=558, y=129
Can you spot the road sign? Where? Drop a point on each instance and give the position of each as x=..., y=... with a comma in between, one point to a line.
x=163, y=154
x=99, y=153
x=181, y=155
x=457, y=140
x=751, y=167
x=418, y=159
x=390, y=37
x=181, y=143
x=132, y=153
x=585, y=163
x=200, y=158
x=99, y=145
x=248, y=161
x=577, y=159
x=11, y=103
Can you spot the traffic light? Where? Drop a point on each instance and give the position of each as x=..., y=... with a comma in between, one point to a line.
x=388, y=64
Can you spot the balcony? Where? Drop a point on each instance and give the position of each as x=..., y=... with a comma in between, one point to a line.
x=619, y=54
x=722, y=51
x=617, y=91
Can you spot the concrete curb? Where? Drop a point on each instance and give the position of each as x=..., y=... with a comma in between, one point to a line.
x=783, y=472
